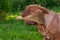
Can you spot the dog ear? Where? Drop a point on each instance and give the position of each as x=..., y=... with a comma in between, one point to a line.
x=45, y=10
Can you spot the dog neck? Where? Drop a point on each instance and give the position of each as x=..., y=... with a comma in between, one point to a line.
x=48, y=18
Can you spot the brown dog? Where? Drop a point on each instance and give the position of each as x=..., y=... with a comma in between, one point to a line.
x=46, y=21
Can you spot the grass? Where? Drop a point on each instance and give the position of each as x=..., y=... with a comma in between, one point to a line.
x=56, y=9
x=18, y=30
x=13, y=29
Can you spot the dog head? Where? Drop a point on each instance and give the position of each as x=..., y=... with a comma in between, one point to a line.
x=33, y=9
x=36, y=17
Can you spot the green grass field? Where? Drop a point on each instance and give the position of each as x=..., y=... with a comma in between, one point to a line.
x=13, y=29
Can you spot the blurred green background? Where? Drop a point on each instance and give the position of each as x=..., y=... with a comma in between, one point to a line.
x=12, y=29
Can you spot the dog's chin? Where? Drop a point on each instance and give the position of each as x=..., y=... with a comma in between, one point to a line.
x=31, y=22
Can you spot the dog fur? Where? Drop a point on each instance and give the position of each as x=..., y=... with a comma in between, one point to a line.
x=45, y=20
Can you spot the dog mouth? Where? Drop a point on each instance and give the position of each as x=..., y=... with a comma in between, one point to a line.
x=31, y=22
